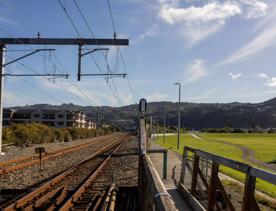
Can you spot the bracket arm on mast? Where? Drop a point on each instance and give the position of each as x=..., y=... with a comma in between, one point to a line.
x=29, y=54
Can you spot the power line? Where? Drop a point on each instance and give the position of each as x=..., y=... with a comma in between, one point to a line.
x=128, y=80
x=23, y=64
x=74, y=84
x=58, y=85
x=114, y=93
x=70, y=19
x=120, y=53
x=37, y=88
x=44, y=58
x=93, y=59
x=89, y=100
x=111, y=16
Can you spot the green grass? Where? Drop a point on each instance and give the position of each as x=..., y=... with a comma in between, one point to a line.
x=263, y=144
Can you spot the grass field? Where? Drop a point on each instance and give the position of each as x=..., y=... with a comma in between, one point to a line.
x=264, y=146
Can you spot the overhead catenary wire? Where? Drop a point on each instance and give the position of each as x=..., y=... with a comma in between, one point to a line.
x=37, y=88
x=120, y=53
x=74, y=84
x=46, y=78
x=111, y=16
x=128, y=80
x=93, y=59
x=69, y=18
x=44, y=59
x=115, y=92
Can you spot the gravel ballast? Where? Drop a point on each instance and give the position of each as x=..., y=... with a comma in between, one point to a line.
x=24, y=178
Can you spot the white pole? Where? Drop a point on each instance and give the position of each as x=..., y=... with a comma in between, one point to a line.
x=2, y=61
x=179, y=99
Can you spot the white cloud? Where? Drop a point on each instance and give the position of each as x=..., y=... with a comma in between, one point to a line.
x=157, y=97
x=213, y=11
x=271, y=82
x=254, y=8
x=202, y=97
x=235, y=76
x=152, y=31
x=265, y=39
x=197, y=23
x=262, y=75
x=198, y=32
x=195, y=71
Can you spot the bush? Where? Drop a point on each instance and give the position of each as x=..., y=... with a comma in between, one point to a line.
x=26, y=134
x=237, y=130
x=212, y=130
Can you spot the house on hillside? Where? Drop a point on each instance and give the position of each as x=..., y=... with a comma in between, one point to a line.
x=53, y=118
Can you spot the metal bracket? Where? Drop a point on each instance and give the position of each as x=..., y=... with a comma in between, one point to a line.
x=34, y=75
x=29, y=54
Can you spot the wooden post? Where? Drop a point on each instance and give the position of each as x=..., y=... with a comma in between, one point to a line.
x=165, y=164
x=194, y=174
x=212, y=186
x=183, y=167
x=249, y=190
x=140, y=173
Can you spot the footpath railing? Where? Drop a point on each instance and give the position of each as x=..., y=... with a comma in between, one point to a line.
x=152, y=193
x=203, y=189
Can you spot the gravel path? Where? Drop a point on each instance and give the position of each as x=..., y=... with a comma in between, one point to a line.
x=248, y=155
x=196, y=136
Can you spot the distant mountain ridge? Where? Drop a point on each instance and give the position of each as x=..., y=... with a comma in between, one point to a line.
x=193, y=115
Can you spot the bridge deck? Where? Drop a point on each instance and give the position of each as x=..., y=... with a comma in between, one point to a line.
x=173, y=174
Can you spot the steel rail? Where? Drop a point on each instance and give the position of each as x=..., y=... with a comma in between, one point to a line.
x=33, y=196
x=31, y=160
x=69, y=204
x=8, y=162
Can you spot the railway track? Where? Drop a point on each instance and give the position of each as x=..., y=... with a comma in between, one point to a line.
x=23, y=162
x=65, y=189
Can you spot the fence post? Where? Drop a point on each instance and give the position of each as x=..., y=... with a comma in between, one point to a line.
x=184, y=163
x=212, y=186
x=142, y=151
x=194, y=174
x=165, y=161
x=249, y=190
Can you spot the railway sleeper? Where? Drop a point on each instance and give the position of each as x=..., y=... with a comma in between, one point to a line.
x=104, y=200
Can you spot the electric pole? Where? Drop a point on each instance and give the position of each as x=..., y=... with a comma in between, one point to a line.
x=164, y=128
x=2, y=61
x=157, y=127
x=98, y=118
x=51, y=41
x=150, y=126
x=178, y=130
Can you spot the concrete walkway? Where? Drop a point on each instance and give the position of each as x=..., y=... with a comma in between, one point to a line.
x=173, y=174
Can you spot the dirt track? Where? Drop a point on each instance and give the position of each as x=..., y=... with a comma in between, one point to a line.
x=247, y=154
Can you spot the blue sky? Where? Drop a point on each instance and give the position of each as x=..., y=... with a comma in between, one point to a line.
x=220, y=50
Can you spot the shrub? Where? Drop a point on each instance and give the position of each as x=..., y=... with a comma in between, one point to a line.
x=237, y=130
x=25, y=134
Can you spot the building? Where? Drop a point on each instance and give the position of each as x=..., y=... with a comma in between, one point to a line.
x=53, y=118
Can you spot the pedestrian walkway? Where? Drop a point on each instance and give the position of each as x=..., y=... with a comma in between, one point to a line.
x=173, y=173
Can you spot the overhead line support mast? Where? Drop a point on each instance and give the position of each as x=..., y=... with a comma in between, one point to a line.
x=50, y=41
